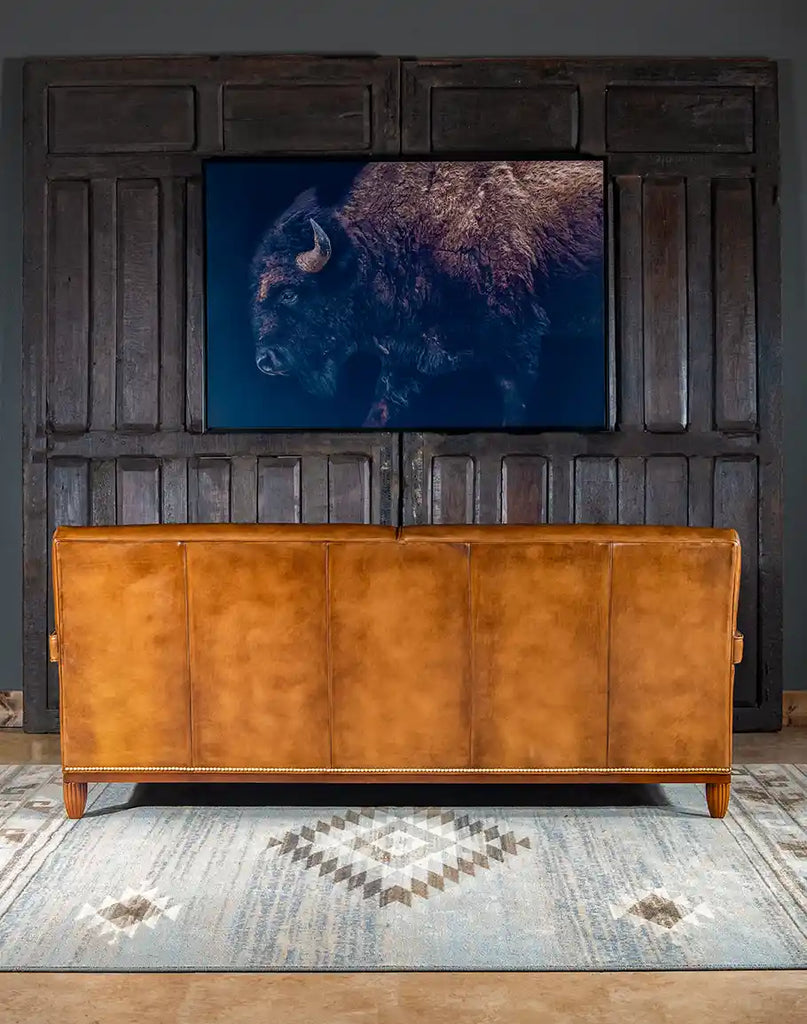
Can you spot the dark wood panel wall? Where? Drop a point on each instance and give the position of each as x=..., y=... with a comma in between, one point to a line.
x=114, y=308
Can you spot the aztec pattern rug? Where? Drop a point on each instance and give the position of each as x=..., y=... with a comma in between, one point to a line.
x=194, y=877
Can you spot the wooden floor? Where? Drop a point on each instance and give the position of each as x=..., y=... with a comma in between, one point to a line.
x=683, y=997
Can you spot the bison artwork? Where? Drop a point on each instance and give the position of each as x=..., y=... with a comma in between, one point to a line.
x=431, y=275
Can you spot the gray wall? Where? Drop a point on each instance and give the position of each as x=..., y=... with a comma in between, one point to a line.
x=422, y=28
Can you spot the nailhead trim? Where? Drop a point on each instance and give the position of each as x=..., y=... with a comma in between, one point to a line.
x=404, y=771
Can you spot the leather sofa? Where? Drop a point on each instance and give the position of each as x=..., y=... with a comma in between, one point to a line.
x=358, y=653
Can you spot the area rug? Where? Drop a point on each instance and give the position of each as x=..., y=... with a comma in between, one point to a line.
x=271, y=878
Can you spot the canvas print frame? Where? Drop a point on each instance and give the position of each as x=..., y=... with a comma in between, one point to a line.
x=406, y=369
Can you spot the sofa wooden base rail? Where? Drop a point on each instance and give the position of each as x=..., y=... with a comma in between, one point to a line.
x=525, y=654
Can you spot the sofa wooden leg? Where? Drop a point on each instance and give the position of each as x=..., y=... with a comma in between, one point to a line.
x=75, y=798
x=717, y=797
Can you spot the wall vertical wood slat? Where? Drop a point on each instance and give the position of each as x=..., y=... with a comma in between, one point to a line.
x=68, y=305
x=104, y=492
x=210, y=490
x=138, y=306
x=104, y=293
x=279, y=494
x=629, y=305
x=244, y=484
x=735, y=307
x=667, y=484
x=595, y=490
x=174, y=501
x=194, y=308
x=524, y=489
x=665, y=305
x=172, y=303
x=138, y=491
x=631, y=491
x=700, y=311
x=348, y=489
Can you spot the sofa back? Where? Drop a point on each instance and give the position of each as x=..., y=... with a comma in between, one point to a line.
x=308, y=646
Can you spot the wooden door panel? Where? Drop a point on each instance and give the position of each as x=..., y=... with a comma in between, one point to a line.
x=400, y=655
x=113, y=354
x=520, y=120
x=121, y=119
x=125, y=697
x=287, y=119
x=257, y=622
x=489, y=105
x=540, y=655
x=452, y=490
x=665, y=118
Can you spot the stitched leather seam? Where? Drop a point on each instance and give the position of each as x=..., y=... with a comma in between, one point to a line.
x=609, y=612
x=328, y=651
x=471, y=652
x=191, y=717
x=410, y=771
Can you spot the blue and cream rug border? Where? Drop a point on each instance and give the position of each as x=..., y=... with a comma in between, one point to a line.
x=215, y=878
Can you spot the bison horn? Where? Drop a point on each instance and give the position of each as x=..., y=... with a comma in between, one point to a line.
x=315, y=259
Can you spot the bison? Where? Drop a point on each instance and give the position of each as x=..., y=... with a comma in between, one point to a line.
x=432, y=267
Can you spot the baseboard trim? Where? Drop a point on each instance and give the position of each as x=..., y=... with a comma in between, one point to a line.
x=794, y=708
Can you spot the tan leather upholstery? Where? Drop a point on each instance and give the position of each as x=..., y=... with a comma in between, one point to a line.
x=401, y=667
x=672, y=624
x=259, y=653
x=524, y=649
x=123, y=668
x=540, y=653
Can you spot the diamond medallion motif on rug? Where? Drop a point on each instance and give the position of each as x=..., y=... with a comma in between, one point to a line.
x=656, y=909
x=397, y=853
x=124, y=915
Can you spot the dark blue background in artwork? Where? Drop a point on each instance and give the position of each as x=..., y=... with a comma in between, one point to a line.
x=242, y=198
